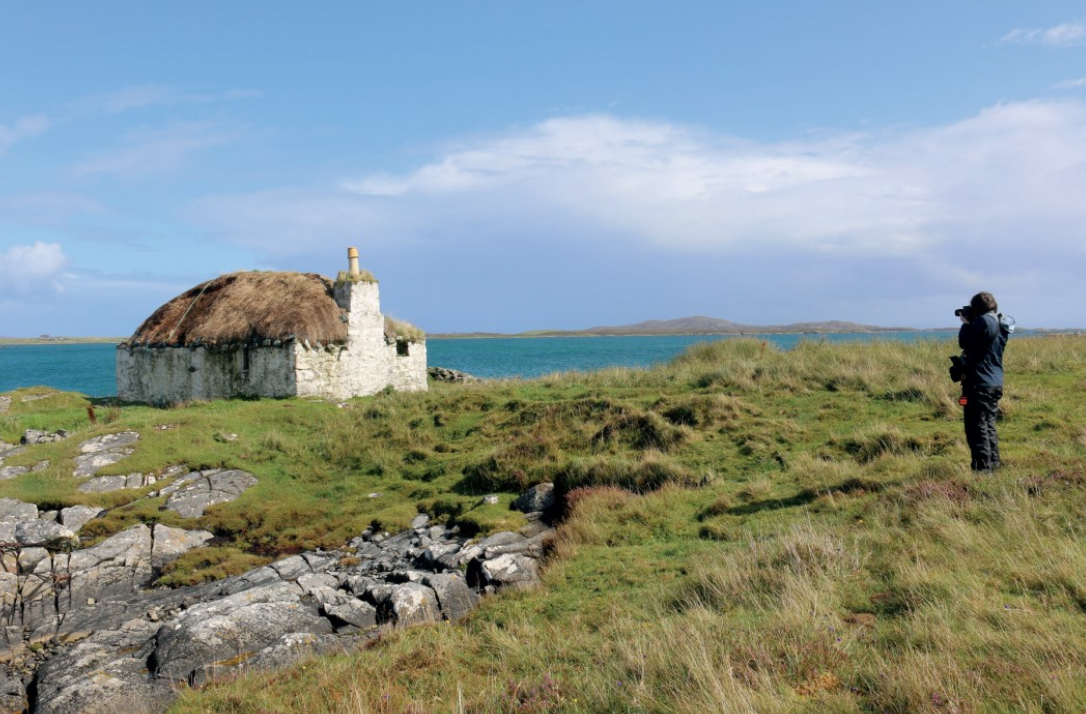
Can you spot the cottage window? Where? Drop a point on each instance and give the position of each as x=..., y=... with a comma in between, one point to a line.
x=402, y=348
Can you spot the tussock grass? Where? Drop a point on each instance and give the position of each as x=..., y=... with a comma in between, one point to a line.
x=745, y=530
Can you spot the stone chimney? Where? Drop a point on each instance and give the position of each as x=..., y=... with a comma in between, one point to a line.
x=352, y=262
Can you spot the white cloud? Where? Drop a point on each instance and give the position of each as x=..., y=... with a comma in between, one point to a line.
x=1011, y=170
x=152, y=151
x=29, y=268
x=1068, y=34
x=147, y=95
x=1071, y=84
x=24, y=128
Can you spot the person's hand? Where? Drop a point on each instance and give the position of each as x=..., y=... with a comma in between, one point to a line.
x=964, y=319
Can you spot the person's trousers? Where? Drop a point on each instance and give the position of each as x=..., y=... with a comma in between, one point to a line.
x=981, y=410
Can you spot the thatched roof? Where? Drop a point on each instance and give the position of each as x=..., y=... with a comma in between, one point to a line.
x=244, y=307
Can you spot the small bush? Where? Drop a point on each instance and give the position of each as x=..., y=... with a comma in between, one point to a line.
x=650, y=473
x=511, y=468
x=642, y=431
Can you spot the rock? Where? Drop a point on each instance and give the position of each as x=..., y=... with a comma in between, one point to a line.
x=420, y=521
x=44, y=533
x=104, y=484
x=102, y=451
x=538, y=498
x=5, y=404
x=9, y=450
x=109, y=441
x=186, y=479
x=31, y=558
x=169, y=544
x=412, y=604
x=7, y=472
x=116, y=566
x=491, y=500
x=197, y=637
x=33, y=436
x=286, y=650
x=291, y=568
x=354, y=612
x=89, y=464
x=510, y=570
x=93, y=604
x=443, y=374
x=535, y=526
x=12, y=693
x=75, y=517
x=505, y=538
x=192, y=499
x=104, y=674
x=12, y=511
x=454, y=597
x=312, y=581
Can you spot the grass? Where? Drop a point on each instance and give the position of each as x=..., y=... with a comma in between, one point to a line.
x=746, y=530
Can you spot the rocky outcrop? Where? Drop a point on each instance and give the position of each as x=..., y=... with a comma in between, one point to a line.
x=34, y=436
x=443, y=374
x=104, y=484
x=84, y=633
x=538, y=498
x=7, y=472
x=8, y=450
x=103, y=451
x=191, y=495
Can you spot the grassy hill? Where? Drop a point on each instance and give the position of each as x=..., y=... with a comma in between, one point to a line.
x=747, y=530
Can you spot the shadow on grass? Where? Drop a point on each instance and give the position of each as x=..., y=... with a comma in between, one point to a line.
x=849, y=487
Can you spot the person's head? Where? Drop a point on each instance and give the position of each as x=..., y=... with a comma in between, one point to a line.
x=983, y=303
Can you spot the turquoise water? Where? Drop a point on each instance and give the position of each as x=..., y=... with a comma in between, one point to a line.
x=90, y=368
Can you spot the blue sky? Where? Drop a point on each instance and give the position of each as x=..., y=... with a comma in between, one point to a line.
x=508, y=166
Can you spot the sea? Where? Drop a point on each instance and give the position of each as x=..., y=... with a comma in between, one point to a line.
x=89, y=368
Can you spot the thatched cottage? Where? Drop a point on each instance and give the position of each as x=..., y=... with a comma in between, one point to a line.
x=271, y=335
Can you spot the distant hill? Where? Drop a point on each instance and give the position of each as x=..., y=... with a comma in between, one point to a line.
x=697, y=325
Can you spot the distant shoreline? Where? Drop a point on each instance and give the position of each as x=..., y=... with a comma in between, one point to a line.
x=19, y=341
x=60, y=340
x=559, y=333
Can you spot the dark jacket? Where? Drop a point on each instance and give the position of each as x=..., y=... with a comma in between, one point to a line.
x=982, y=341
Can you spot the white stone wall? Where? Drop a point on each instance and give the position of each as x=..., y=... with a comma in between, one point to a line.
x=365, y=365
x=166, y=375
x=407, y=373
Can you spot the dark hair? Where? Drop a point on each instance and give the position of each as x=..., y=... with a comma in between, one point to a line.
x=983, y=303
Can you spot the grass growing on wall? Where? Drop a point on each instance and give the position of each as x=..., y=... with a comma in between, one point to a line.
x=749, y=530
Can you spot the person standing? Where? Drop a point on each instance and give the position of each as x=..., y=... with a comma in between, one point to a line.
x=982, y=338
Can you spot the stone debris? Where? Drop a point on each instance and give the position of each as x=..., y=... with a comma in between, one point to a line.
x=105, y=640
x=537, y=499
x=191, y=495
x=44, y=532
x=104, y=484
x=443, y=374
x=75, y=517
x=102, y=451
x=106, y=442
x=5, y=404
x=7, y=450
x=168, y=544
x=7, y=472
x=33, y=436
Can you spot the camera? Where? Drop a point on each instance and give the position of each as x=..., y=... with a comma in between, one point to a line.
x=957, y=368
x=965, y=311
